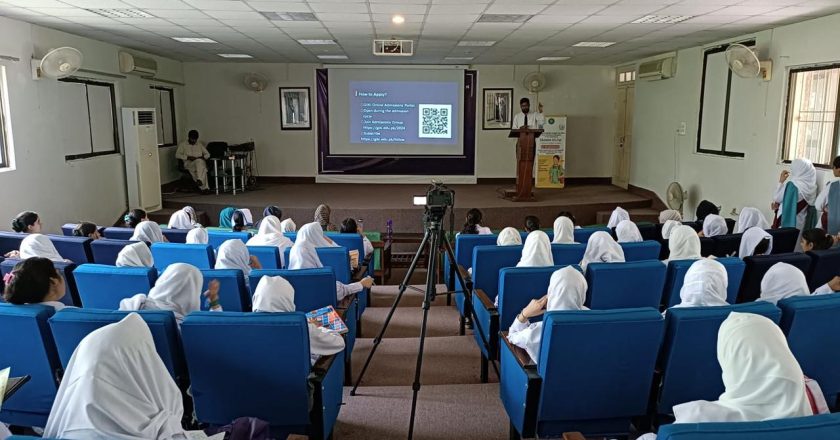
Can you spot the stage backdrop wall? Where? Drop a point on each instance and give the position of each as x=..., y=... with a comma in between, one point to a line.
x=221, y=108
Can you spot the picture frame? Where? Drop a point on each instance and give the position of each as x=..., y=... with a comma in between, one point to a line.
x=497, y=109
x=295, y=106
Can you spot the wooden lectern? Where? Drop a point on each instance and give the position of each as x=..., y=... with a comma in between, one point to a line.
x=526, y=147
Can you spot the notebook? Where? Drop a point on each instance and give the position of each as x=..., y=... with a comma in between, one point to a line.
x=328, y=318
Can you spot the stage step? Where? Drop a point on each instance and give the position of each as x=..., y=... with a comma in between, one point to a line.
x=637, y=215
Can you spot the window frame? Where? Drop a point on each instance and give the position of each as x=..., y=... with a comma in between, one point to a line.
x=171, y=91
x=4, y=118
x=112, y=89
x=835, y=147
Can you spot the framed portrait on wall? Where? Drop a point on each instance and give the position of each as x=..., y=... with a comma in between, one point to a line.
x=497, y=110
x=294, y=108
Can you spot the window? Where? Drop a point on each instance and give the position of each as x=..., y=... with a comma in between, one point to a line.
x=810, y=122
x=165, y=109
x=4, y=121
x=90, y=118
x=626, y=77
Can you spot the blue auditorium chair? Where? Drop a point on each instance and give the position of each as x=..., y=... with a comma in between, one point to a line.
x=75, y=249
x=10, y=241
x=649, y=231
x=265, y=372
x=105, y=251
x=675, y=275
x=486, y=263
x=727, y=245
x=812, y=328
x=71, y=292
x=825, y=265
x=175, y=235
x=269, y=256
x=338, y=259
x=758, y=265
x=234, y=295
x=199, y=255
x=821, y=427
x=566, y=254
x=215, y=238
x=103, y=287
x=582, y=235
x=28, y=348
x=688, y=359
x=117, y=233
x=784, y=240
x=464, y=244
x=707, y=246
x=641, y=251
x=68, y=228
x=71, y=325
x=574, y=387
x=625, y=285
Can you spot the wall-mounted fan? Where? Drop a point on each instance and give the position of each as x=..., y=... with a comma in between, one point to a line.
x=534, y=82
x=255, y=82
x=744, y=62
x=59, y=63
x=675, y=196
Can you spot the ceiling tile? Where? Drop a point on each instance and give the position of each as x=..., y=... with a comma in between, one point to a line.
x=336, y=16
x=397, y=8
x=270, y=6
x=219, y=5
x=346, y=7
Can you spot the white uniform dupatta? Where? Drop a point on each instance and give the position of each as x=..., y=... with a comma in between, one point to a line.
x=714, y=225
x=684, y=244
x=750, y=217
x=750, y=239
x=628, y=232
x=233, y=254
x=783, y=281
x=601, y=248
x=704, y=285
x=149, y=232
x=135, y=255
x=39, y=245
x=617, y=216
x=509, y=237
x=198, y=236
x=178, y=290
x=537, y=251
x=564, y=230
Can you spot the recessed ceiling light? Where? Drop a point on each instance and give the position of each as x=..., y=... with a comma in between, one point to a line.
x=121, y=13
x=193, y=40
x=234, y=55
x=315, y=42
x=504, y=18
x=553, y=58
x=289, y=16
x=332, y=57
x=594, y=44
x=476, y=43
x=458, y=58
x=662, y=19
x=398, y=19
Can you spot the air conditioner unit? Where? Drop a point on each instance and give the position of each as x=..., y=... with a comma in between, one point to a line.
x=662, y=68
x=142, y=163
x=134, y=64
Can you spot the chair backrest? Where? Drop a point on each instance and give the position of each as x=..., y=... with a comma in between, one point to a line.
x=758, y=265
x=727, y=245
x=465, y=243
x=75, y=249
x=675, y=276
x=813, y=330
x=566, y=254
x=28, y=348
x=517, y=287
x=216, y=238
x=707, y=246
x=689, y=352
x=825, y=265
x=697, y=226
x=314, y=288
x=269, y=256
x=821, y=427
x=784, y=240
x=641, y=251
x=71, y=325
x=650, y=231
x=198, y=255
x=71, y=292
x=625, y=285
x=487, y=261
x=606, y=393
x=103, y=287
x=582, y=235
x=117, y=233
x=336, y=258
x=524, y=234
x=105, y=251
x=68, y=228
x=349, y=241
x=175, y=235
x=234, y=295
x=10, y=241
x=224, y=387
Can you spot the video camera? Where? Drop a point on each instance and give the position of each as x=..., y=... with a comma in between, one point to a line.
x=437, y=199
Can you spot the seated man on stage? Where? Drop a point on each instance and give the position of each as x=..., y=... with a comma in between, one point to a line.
x=194, y=154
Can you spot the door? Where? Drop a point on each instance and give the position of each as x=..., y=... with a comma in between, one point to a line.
x=623, y=136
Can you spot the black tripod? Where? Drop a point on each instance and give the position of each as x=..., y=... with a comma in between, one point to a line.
x=433, y=239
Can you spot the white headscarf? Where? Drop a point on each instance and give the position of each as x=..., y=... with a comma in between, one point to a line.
x=233, y=254
x=601, y=248
x=303, y=255
x=704, y=285
x=684, y=244
x=537, y=251
x=714, y=225
x=804, y=176
x=782, y=281
x=116, y=386
x=148, y=231
x=270, y=235
x=39, y=245
x=750, y=217
x=509, y=237
x=670, y=214
x=313, y=234
x=180, y=219
x=564, y=230
x=198, y=236
x=762, y=378
x=135, y=255
x=669, y=227
x=751, y=238
x=288, y=225
x=178, y=290
x=617, y=216
x=270, y=225
x=628, y=232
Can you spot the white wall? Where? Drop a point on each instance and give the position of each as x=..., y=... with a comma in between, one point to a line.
x=90, y=189
x=220, y=107
x=757, y=131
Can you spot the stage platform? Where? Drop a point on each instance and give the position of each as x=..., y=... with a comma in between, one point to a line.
x=378, y=203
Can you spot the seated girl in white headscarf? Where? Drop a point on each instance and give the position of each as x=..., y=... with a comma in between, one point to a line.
x=628, y=232
x=782, y=281
x=669, y=227
x=178, y=290
x=755, y=241
x=509, y=236
x=181, y=219
x=116, y=386
x=149, y=232
x=704, y=285
x=617, y=216
x=233, y=254
x=714, y=225
x=35, y=281
x=749, y=218
x=564, y=231
x=198, y=236
x=762, y=378
x=135, y=255
x=670, y=215
x=304, y=256
x=39, y=245
x=535, y=253
x=288, y=226
x=684, y=244
x=270, y=234
x=276, y=294
x=601, y=248
x=566, y=291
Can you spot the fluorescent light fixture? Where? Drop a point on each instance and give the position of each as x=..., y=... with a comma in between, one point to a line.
x=122, y=13
x=398, y=19
x=476, y=43
x=332, y=57
x=234, y=55
x=458, y=58
x=553, y=58
x=315, y=42
x=504, y=18
x=194, y=40
x=594, y=44
x=662, y=19
x=289, y=16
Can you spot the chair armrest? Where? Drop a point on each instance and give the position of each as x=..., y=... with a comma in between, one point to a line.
x=322, y=366
x=573, y=436
x=465, y=274
x=345, y=303
x=485, y=301
x=521, y=355
x=360, y=272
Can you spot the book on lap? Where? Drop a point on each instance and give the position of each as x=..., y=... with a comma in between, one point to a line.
x=328, y=318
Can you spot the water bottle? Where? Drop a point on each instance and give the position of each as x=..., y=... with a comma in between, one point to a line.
x=389, y=229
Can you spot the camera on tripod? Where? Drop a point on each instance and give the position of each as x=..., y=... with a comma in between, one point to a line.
x=437, y=199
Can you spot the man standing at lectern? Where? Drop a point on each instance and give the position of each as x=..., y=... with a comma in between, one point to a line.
x=526, y=118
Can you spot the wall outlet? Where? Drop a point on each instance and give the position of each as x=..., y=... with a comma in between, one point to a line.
x=681, y=129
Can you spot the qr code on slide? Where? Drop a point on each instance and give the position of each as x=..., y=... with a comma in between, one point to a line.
x=435, y=121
